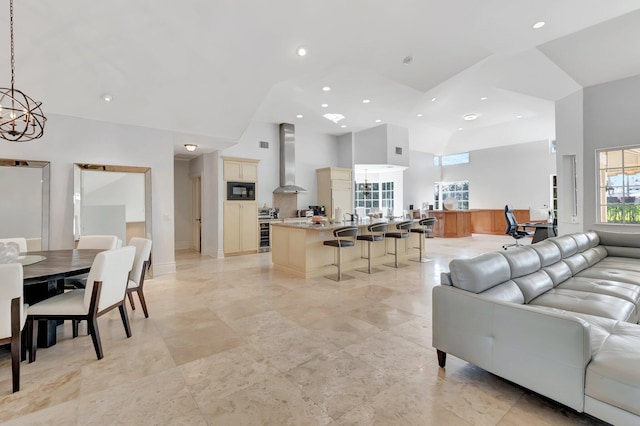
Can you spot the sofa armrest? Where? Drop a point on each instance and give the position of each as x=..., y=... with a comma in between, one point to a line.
x=544, y=351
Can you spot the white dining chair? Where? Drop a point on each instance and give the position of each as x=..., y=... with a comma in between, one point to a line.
x=106, y=290
x=90, y=242
x=97, y=242
x=140, y=266
x=13, y=313
x=21, y=242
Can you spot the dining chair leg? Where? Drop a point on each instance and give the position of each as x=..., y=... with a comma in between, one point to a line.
x=15, y=342
x=32, y=333
x=74, y=327
x=133, y=306
x=92, y=324
x=143, y=302
x=125, y=319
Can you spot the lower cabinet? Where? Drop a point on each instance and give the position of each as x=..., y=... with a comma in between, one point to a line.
x=240, y=227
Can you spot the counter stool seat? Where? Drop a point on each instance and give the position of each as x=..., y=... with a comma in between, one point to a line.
x=376, y=233
x=343, y=238
x=425, y=228
x=402, y=232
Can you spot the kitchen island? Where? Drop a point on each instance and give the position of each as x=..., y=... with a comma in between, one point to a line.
x=298, y=248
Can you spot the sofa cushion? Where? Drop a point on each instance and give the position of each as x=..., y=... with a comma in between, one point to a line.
x=620, y=263
x=566, y=244
x=480, y=273
x=594, y=239
x=558, y=272
x=522, y=261
x=582, y=241
x=576, y=263
x=588, y=303
x=613, y=375
x=626, y=291
x=604, y=271
x=533, y=285
x=507, y=292
x=548, y=252
x=620, y=244
x=595, y=255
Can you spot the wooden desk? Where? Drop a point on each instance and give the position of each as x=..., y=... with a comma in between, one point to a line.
x=543, y=231
x=46, y=279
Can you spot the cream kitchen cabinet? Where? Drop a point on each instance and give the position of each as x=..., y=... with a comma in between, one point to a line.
x=240, y=169
x=240, y=227
x=335, y=189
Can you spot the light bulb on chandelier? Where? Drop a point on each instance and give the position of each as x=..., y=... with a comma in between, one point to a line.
x=21, y=118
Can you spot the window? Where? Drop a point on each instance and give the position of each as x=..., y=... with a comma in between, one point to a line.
x=619, y=185
x=457, y=190
x=382, y=200
x=367, y=199
x=450, y=160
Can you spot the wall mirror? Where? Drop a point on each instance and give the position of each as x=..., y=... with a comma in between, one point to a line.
x=112, y=200
x=24, y=191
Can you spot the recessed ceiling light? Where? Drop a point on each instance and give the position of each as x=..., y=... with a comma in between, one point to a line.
x=484, y=98
x=433, y=99
x=107, y=98
x=366, y=101
x=343, y=126
x=539, y=25
x=378, y=120
x=470, y=117
x=324, y=105
x=299, y=116
x=302, y=51
x=419, y=115
x=326, y=88
x=518, y=116
x=459, y=128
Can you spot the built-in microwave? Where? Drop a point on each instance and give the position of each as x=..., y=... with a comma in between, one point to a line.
x=241, y=191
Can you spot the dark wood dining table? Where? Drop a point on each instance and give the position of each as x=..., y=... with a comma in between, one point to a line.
x=45, y=278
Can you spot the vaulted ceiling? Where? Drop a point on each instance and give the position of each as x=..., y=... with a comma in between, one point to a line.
x=205, y=69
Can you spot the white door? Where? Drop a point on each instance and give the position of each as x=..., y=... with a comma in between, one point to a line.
x=196, y=223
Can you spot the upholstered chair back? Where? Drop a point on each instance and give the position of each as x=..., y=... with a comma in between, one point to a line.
x=143, y=251
x=97, y=242
x=11, y=284
x=21, y=242
x=112, y=268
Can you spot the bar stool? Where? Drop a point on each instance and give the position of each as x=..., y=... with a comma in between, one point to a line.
x=376, y=233
x=403, y=232
x=342, y=240
x=426, y=228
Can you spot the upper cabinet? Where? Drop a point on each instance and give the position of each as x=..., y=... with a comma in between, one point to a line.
x=335, y=190
x=240, y=169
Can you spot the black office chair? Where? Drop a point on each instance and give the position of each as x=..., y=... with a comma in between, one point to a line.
x=513, y=228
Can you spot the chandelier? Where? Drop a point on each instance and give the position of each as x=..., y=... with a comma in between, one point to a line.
x=365, y=187
x=21, y=118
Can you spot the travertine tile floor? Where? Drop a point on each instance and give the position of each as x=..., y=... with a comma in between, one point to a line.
x=233, y=342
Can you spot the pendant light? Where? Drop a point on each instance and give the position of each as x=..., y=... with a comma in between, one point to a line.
x=21, y=118
x=365, y=187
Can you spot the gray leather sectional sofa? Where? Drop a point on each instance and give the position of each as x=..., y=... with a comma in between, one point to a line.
x=559, y=317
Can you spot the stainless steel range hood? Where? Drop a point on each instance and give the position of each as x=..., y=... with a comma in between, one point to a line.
x=288, y=161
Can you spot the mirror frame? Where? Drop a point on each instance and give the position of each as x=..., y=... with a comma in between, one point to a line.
x=46, y=189
x=77, y=185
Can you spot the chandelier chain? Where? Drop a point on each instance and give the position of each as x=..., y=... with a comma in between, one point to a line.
x=13, y=61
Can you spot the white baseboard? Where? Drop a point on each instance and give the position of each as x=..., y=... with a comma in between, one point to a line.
x=164, y=268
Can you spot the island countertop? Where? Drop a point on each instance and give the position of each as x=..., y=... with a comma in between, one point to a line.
x=298, y=247
x=327, y=226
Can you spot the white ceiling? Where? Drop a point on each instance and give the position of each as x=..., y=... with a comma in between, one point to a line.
x=205, y=69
